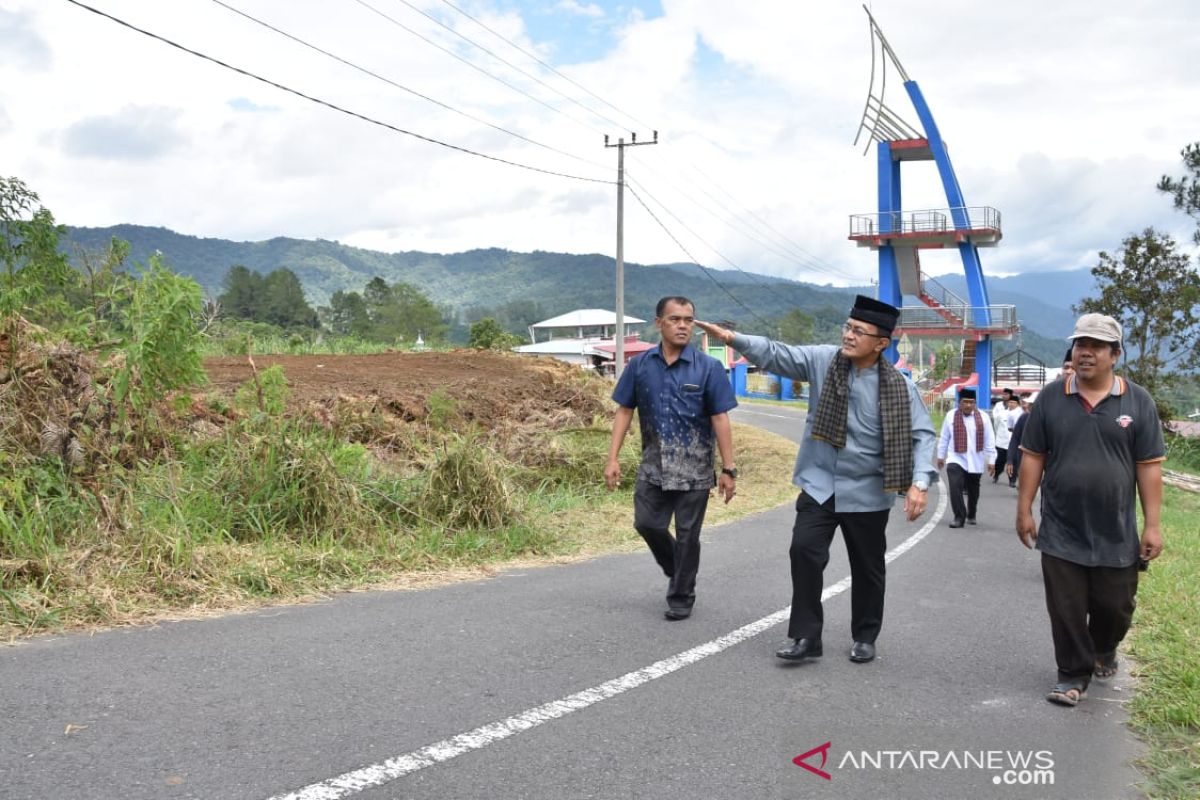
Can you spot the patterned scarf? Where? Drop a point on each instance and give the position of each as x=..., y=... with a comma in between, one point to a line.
x=829, y=420
x=960, y=432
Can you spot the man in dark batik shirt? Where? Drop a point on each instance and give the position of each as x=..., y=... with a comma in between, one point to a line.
x=682, y=398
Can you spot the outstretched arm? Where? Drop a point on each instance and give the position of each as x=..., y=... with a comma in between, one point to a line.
x=790, y=361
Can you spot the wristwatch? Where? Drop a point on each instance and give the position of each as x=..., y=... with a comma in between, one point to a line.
x=730, y=471
x=921, y=486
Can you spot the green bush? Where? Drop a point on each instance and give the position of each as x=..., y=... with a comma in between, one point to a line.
x=1183, y=452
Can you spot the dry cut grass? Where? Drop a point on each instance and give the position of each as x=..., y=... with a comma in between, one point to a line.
x=764, y=462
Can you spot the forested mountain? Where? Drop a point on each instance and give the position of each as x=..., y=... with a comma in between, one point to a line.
x=519, y=288
x=556, y=282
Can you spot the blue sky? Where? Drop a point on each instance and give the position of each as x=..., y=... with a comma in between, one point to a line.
x=579, y=30
x=1063, y=116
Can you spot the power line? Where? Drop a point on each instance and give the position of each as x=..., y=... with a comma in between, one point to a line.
x=475, y=67
x=804, y=260
x=330, y=105
x=745, y=230
x=766, y=224
x=682, y=224
x=703, y=268
x=401, y=87
x=522, y=50
x=796, y=253
x=508, y=64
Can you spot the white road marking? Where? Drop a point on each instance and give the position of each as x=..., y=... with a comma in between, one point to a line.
x=397, y=767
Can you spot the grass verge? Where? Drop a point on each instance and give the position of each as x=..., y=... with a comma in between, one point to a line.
x=605, y=525
x=275, y=511
x=1183, y=453
x=1166, y=708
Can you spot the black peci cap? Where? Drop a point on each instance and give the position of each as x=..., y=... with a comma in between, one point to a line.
x=879, y=314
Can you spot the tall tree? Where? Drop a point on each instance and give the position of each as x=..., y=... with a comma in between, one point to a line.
x=283, y=301
x=796, y=327
x=28, y=254
x=1185, y=191
x=1155, y=294
x=417, y=314
x=243, y=292
x=487, y=334
x=347, y=314
x=401, y=312
x=377, y=293
x=276, y=298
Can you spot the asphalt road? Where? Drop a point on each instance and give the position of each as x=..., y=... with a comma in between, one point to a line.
x=450, y=692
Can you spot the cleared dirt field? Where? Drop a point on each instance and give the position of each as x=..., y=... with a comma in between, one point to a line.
x=485, y=387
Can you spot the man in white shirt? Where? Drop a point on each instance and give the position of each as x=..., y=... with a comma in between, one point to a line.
x=1001, y=426
x=1001, y=405
x=966, y=448
x=1003, y=419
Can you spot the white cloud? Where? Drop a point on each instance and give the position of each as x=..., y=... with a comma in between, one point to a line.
x=1062, y=116
x=134, y=133
x=584, y=10
x=20, y=43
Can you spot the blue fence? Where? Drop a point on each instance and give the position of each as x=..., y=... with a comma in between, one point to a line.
x=765, y=385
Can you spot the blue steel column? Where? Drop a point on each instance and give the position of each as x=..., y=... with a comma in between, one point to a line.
x=972, y=268
x=889, y=214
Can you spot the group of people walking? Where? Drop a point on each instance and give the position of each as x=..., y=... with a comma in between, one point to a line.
x=1089, y=445
x=973, y=444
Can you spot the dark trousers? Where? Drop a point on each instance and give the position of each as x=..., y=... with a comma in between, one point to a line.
x=866, y=543
x=1001, y=460
x=1091, y=609
x=678, y=555
x=959, y=479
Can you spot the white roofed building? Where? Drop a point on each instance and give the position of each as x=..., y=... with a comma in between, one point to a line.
x=583, y=337
x=586, y=323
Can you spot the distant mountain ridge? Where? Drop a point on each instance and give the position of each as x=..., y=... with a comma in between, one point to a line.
x=477, y=278
x=1043, y=299
x=558, y=282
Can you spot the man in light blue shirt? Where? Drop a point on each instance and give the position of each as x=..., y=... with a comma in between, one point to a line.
x=867, y=438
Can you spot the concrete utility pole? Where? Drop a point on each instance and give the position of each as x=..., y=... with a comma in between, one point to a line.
x=619, y=338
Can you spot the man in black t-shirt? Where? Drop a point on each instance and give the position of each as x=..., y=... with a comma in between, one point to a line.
x=1092, y=441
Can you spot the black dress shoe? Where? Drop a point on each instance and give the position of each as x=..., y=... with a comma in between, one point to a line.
x=958, y=522
x=800, y=649
x=970, y=520
x=862, y=652
x=677, y=613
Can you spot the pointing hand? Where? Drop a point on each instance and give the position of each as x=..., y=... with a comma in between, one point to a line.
x=723, y=335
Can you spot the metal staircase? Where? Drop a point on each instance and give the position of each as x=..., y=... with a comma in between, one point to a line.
x=944, y=302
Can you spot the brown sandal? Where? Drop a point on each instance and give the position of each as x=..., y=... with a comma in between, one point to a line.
x=1067, y=694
